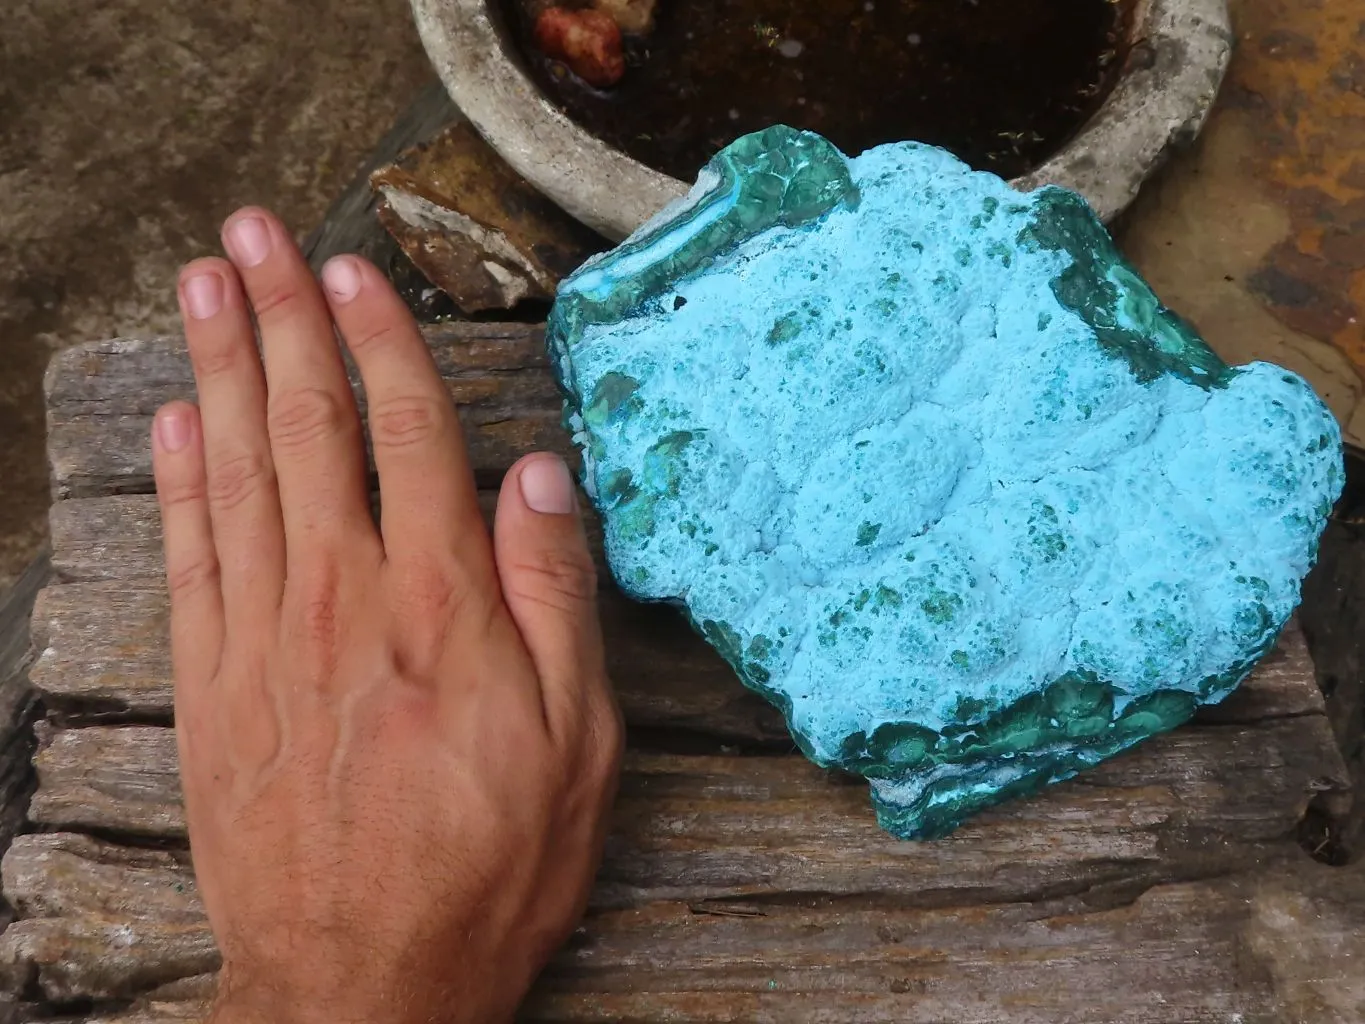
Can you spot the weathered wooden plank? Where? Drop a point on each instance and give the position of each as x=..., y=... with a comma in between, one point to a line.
x=1307, y=927
x=698, y=828
x=1334, y=606
x=186, y=999
x=121, y=779
x=734, y=888
x=103, y=646
x=16, y=696
x=101, y=397
x=18, y=709
x=118, y=536
x=100, y=921
x=1171, y=957
x=1199, y=951
x=111, y=537
x=157, y=1012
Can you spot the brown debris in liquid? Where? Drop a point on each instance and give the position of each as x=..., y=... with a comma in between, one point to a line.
x=1001, y=83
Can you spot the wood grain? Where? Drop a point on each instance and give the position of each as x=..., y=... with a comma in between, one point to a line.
x=101, y=397
x=695, y=828
x=18, y=707
x=100, y=920
x=1203, y=951
x=740, y=883
x=103, y=650
x=118, y=536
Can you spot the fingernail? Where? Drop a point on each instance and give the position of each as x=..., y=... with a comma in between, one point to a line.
x=203, y=295
x=173, y=429
x=547, y=487
x=249, y=241
x=341, y=278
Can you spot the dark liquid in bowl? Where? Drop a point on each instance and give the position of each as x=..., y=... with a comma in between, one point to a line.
x=1001, y=83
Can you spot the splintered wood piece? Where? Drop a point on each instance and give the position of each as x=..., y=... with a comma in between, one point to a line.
x=100, y=920
x=474, y=227
x=349, y=225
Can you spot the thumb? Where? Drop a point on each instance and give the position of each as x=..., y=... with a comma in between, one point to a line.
x=548, y=577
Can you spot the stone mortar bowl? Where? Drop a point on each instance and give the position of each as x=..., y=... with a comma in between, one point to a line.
x=1179, y=50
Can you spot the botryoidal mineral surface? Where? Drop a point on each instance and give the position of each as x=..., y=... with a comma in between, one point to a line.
x=933, y=469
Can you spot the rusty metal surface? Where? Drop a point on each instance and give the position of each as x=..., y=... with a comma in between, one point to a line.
x=1259, y=234
x=1303, y=82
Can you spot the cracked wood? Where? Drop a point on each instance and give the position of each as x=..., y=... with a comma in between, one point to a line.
x=740, y=882
x=1217, y=950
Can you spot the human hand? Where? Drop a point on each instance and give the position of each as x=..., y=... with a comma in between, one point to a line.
x=398, y=744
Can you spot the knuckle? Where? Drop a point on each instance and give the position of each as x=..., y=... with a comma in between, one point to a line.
x=402, y=422
x=275, y=300
x=594, y=743
x=373, y=337
x=590, y=730
x=304, y=416
x=192, y=576
x=234, y=479
x=215, y=358
x=317, y=625
x=607, y=738
x=319, y=622
x=436, y=591
x=604, y=771
x=559, y=579
x=431, y=601
x=174, y=493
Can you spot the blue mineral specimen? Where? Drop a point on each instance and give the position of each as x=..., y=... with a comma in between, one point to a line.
x=932, y=468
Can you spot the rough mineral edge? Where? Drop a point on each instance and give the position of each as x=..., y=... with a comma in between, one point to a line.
x=930, y=465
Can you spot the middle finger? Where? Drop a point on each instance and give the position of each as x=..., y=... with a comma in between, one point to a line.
x=315, y=432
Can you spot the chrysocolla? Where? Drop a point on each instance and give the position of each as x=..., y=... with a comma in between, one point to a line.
x=933, y=469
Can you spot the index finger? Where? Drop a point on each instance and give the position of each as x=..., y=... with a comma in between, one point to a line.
x=429, y=503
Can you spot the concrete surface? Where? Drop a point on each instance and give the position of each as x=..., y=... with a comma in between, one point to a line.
x=129, y=129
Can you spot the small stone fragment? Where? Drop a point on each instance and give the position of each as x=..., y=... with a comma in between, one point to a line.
x=633, y=17
x=473, y=227
x=933, y=469
x=587, y=41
